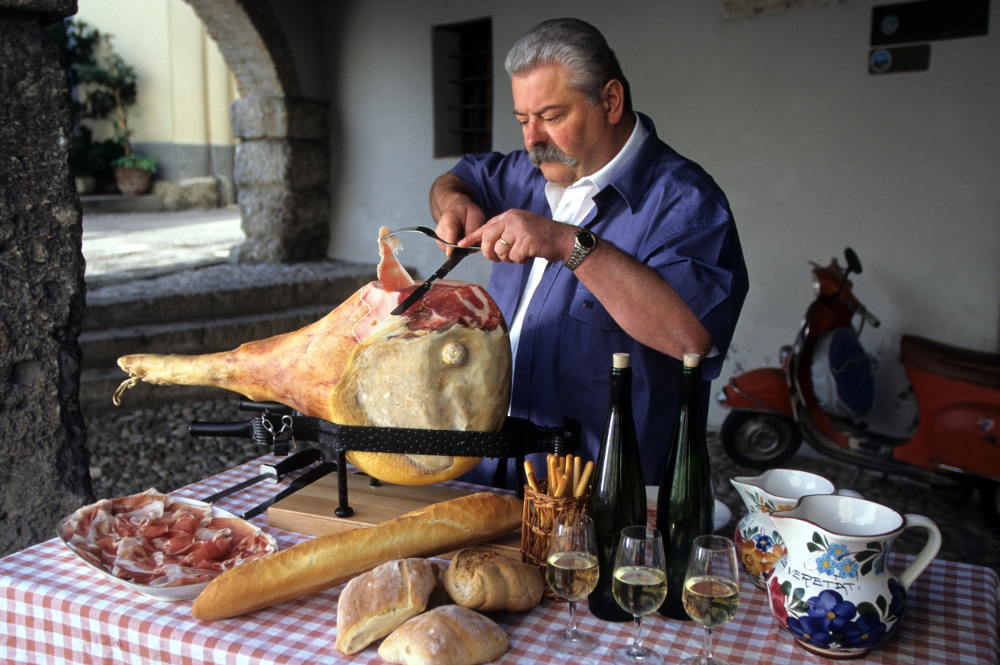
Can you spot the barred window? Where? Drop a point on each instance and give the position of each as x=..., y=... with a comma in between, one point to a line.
x=463, y=88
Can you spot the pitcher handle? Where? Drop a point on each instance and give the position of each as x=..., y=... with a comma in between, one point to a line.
x=927, y=554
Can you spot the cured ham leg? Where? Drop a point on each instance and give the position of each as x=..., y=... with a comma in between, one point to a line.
x=444, y=364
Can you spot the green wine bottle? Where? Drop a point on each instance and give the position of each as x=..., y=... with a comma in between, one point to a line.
x=618, y=494
x=685, y=505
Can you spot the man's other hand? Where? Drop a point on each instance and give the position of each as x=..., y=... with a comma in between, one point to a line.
x=453, y=208
x=519, y=236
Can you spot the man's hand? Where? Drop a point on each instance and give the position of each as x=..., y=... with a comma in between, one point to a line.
x=519, y=236
x=454, y=210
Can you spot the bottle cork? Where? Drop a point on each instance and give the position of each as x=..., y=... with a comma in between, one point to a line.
x=691, y=359
x=619, y=360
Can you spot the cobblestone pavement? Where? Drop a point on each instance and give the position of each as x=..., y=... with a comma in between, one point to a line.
x=133, y=450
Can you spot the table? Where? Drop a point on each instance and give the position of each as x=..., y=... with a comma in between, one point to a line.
x=54, y=609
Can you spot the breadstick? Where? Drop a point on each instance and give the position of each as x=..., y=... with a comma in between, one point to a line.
x=561, y=492
x=581, y=487
x=576, y=471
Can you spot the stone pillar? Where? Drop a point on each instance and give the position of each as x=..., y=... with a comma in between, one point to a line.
x=44, y=470
x=282, y=170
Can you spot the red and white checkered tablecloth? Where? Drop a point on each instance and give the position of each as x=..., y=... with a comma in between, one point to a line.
x=54, y=609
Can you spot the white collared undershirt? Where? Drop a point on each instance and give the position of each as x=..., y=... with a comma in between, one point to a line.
x=572, y=205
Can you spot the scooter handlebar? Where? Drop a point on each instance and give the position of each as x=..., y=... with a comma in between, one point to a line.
x=866, y=315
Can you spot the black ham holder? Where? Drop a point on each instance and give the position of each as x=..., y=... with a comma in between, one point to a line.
x=277, y=424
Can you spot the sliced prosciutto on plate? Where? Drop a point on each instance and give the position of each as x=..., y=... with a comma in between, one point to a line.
x=157, y=540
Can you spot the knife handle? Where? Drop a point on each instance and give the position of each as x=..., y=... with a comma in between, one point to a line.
x=242, y=429
x=278, y=470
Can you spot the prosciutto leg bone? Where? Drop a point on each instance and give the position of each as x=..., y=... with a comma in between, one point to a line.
x=444, y=364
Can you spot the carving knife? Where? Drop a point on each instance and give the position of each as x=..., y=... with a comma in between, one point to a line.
x=272, y=473
x=310, y=476
x=453, y=260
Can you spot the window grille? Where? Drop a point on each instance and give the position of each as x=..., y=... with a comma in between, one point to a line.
x=463, y=88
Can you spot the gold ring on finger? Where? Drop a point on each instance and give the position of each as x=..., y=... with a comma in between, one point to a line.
x=505, y=242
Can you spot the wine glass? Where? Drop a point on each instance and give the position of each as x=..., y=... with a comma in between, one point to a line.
x=571, y=571
x=640, y=585
x=711, y=589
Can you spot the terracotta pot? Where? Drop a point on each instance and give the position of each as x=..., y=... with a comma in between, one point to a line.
x=132, y=181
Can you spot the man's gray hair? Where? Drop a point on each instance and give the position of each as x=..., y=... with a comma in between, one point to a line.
x=577, y=46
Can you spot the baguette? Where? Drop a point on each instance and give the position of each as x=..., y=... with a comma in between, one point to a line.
x=327, y=561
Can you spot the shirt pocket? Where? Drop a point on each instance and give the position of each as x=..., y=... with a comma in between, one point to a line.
x=588, y=310
x=588, y=339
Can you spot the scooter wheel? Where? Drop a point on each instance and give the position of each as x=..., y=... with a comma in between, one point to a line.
x=989, y=499
x=759, y=440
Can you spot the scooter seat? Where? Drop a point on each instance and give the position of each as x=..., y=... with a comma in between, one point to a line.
x=949, y=361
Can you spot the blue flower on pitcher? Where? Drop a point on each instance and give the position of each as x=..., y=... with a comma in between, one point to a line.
x=811, y=630
x=763, y=543
x=831, y=606
x=868, y=631
x=838, y=551
x=880, y=562
x=847, y=568
x=826, y=564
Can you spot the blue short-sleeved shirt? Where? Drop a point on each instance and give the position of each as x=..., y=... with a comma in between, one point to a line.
x=667, y=213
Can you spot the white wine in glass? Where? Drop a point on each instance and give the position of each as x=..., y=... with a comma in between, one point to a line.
x=640, y=585
x=711, y=589
x=571, y=570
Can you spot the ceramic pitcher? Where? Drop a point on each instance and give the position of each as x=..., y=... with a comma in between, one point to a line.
x=758, y=543
x=833, y=591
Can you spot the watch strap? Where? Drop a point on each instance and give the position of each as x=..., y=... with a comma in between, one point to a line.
x=579, y=251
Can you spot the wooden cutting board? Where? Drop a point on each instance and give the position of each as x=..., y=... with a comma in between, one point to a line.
x=310, y=511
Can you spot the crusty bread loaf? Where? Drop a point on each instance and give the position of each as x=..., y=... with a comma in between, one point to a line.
x=333, y=559
x=449, y=635
x=376, y=603
x=488, y=581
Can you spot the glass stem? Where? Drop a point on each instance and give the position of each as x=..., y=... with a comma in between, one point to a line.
x=572, y=616
x=708, y=645
x=638, y=633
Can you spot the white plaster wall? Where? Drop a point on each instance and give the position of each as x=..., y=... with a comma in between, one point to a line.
x=814, y=153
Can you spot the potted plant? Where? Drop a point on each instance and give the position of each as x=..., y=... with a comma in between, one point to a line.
x=112, y=93
x=91, y=160
x=133, y=173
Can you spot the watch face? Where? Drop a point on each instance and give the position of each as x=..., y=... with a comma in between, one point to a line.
x=586, y=239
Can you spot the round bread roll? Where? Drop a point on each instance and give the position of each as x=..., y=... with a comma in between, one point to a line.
x=374, y=604
x=449, y=635
x=488, y=581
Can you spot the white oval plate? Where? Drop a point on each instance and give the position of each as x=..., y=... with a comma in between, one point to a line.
x=172, y=593
x=722, y=512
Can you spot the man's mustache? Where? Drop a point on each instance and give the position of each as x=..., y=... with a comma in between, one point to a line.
x=549, y=152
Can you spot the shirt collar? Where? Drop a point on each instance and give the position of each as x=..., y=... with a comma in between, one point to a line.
x=634, y=177
x=603, y=176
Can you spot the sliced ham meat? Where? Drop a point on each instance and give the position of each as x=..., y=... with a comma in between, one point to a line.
x=156, y=540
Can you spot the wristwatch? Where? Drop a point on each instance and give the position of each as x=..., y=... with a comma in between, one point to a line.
x=585, y=244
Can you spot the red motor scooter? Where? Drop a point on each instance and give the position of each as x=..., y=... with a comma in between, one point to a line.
x=825, y=387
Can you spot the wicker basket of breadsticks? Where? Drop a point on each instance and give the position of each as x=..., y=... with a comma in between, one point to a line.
x=564, y=490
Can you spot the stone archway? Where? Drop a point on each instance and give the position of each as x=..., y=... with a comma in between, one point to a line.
x=282, y=164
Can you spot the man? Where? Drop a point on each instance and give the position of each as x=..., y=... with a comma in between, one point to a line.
x=605, y=239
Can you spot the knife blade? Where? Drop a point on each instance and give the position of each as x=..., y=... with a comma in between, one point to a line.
x=272, y=473
x=453, y=260
x=310, y=476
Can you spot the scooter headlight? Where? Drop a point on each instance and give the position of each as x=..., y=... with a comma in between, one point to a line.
x=815, y=284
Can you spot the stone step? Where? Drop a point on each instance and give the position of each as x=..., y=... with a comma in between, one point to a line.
x=106, y=203
x=102, y=348
x=222, y=292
